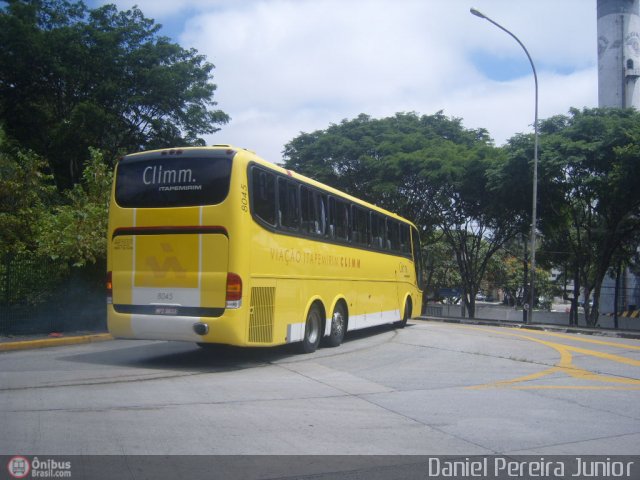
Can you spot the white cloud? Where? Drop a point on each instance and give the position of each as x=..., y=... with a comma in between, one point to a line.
x=506, y=108
x=163, y=9
x=285, y=66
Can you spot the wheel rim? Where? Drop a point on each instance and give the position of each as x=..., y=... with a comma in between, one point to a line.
x=338, y=323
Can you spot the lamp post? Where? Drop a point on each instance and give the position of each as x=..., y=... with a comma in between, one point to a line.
x=534, y=207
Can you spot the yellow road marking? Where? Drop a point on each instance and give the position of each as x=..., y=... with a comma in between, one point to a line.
x=567, y=367
x=604, y=356
x=570, y=387
x=585, y=340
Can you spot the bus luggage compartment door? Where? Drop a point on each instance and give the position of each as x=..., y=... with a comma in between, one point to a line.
x=177, y=274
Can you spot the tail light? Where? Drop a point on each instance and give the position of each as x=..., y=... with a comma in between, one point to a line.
x=234, y=290
x=109, y=287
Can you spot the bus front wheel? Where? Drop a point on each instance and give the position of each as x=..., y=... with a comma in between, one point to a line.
x=407, y=314
x=312, y=330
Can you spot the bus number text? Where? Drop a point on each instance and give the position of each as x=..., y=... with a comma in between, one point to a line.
x=244, y=201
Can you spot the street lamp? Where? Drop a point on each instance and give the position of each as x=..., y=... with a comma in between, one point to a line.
x=534, y=208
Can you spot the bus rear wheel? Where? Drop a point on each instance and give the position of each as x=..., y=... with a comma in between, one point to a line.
x=338, y=326
x=312, y=330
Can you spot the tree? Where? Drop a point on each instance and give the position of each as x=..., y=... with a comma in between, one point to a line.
x=505, y=271
x=513, y=179
x=427, y=168
x=38, y=221
x=591, y=160
x=76, y=232
x=385, y=161
x=475, y=214
x=73, y=77
x=26, y=194
x=441, y=266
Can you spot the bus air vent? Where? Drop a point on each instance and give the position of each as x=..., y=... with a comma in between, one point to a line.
x=261, y=314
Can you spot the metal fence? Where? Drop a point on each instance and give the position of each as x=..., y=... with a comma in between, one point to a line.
x=503, y=313
x=40, y=295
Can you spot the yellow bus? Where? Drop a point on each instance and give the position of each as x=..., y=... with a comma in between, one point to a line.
x=214, y=245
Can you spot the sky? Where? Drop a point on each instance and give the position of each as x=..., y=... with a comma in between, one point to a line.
x=290, y=66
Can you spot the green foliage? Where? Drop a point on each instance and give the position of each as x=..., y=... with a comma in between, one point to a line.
x=75, y=232
x=73, y=78
x=26, y=193
x=392, y=162
x=37, y=221
x=591, y=160
x=508, y=271
x=79, y=83
x=505, y=271
x=441, y=268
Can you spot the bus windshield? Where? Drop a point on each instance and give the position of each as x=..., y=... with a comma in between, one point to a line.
x=159, y=181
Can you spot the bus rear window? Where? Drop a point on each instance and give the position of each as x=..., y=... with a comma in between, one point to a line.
x=161, y=181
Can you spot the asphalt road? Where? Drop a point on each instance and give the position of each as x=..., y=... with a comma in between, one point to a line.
x=431, y=388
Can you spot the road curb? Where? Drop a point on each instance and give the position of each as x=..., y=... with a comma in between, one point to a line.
x=53, y=342
x=538, y=326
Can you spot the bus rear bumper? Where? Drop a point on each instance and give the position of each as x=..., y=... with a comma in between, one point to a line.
x=224, y=329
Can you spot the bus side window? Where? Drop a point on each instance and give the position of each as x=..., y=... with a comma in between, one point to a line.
x=360, y=226
x=332, y=217
x=377, y=231
x=417, y=257
x=307, y=210
x=314, y=211
x=321, y=214
x=355, y=234
x=405, y=239
x=288, y=213
x=338, y=219
x=393, y=230
x=263, y=195
x=343, y=221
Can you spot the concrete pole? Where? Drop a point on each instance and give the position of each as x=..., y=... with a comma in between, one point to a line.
x=618, y=53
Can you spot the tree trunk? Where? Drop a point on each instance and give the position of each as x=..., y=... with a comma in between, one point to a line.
x=616, y=295
x=573, y=315
x=525, y=284
x=594, y=314
x=587, y=307
x=471, y=305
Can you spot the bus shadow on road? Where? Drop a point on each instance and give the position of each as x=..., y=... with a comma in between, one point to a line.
x=213, y=358
x=180, y=356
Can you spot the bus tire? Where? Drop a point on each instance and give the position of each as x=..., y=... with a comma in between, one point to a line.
x=338, y=326
x=405, y=316
x=312, y=330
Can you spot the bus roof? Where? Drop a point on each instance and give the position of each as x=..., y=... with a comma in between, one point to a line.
x=247, y=156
